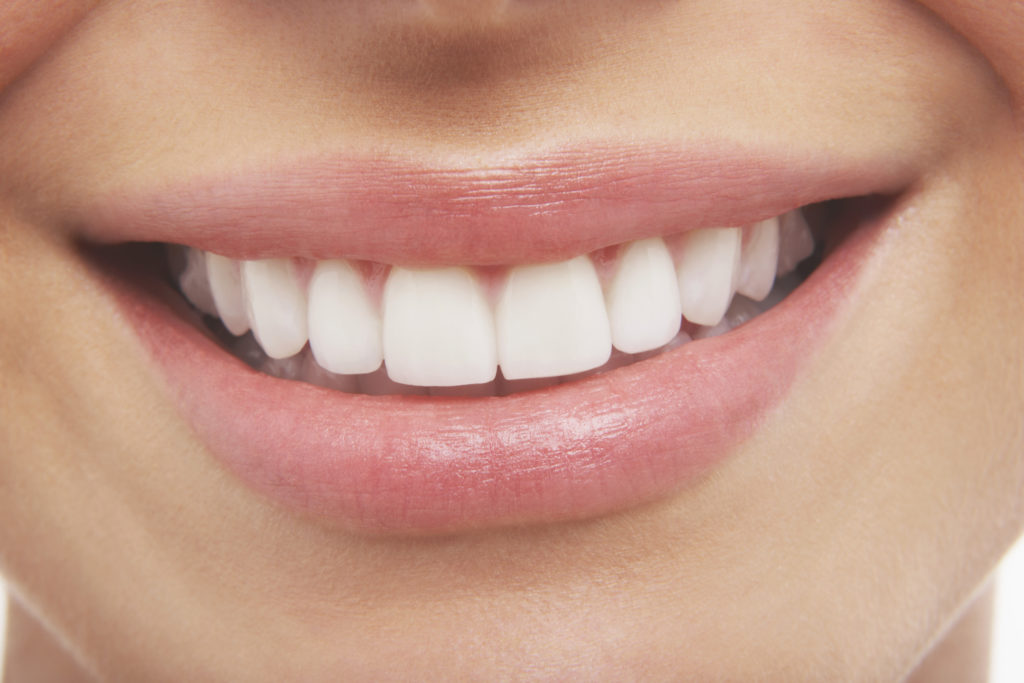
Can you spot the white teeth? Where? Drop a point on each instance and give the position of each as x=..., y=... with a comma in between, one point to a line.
x=643, y=300
x=435, y=331
x=193, y=282
x=760, y=254
x=438, y=328
x=551, y=320
x=344, y=325
x=796, y=242
x=226, y=288
x=708, y=271
x=276, y=306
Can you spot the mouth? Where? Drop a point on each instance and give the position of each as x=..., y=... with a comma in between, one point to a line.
x=371, y=328
x=387, y=386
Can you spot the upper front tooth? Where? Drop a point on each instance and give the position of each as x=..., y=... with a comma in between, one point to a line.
x=276, y=305
x=344, y=325
x=707, y=273
x=438, y=328
x=643, y=299
x=795, y=241
x=193, y=282
x=226, y=287
x=759, y=256
x=552, y=321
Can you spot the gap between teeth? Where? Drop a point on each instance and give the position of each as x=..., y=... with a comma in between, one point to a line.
x=361, y=327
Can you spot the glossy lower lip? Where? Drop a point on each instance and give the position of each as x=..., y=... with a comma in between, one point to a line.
x=519, y=210
x=411, y=464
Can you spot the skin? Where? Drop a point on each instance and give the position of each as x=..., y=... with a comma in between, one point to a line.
x=842, y=541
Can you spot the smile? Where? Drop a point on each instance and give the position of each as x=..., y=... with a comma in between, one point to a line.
x=593, y=342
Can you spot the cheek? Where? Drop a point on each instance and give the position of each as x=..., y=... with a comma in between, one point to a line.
x=28, y=28
x=994, y=27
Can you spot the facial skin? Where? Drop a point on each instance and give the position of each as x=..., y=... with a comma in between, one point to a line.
x=839, y=542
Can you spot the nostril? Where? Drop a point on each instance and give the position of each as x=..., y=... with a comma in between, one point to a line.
x=464, y=12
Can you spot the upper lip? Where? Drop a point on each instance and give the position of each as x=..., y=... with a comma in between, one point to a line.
x=517, y=210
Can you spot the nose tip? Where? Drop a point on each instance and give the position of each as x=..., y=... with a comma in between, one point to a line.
x=465, y=12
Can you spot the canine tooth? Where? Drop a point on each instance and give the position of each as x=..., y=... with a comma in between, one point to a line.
x=194, y=283
x=276, y=306
x=796, y=242
x=344, y=325
x=643, y=299
x=708, y=271
x=759, y=256
x=225, y=279
x=438, y=328
x=551, y=320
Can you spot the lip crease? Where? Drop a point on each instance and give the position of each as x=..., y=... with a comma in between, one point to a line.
x=520, y=210
x=413, y=464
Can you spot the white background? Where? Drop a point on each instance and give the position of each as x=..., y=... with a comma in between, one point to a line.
x=1008, y=646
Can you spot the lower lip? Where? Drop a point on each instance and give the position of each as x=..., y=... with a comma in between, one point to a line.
x=414, y=464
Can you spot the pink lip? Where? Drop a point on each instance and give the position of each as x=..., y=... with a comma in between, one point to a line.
x=428, y=464
x=520, y=211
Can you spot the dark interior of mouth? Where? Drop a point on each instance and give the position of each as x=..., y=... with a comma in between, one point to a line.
x=831, y=222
